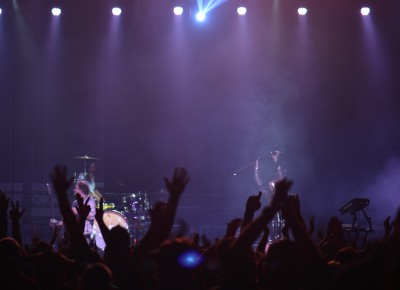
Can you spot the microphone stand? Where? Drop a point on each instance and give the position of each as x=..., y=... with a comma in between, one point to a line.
x=244, y=168
x=52, y=200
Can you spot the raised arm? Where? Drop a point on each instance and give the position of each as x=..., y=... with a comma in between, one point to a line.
x=162, y=215
x=15, y=216
x=105, y=232
x=292, y=215
x=254, y=229
x=78, y=246
x=4, y=202
x=262, y=244
x=252, y=205
x=175, y=188
x=84, y=210
x=232, y=228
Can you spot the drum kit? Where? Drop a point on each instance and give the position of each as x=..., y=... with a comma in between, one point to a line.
x=128, y=210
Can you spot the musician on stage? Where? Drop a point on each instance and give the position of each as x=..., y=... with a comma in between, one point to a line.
x=87, y=204
x=272, y=172
x=275, y=173
x=83, y=190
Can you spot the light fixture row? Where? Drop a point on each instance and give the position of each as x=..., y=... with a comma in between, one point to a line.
x=201, y=16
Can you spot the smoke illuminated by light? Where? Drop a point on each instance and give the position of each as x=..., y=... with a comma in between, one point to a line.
x=178, y=10
x=302, y=11
x=207, y=5
x=116, y=11
x=242, y=10
x=365, y=11
x=56, y=11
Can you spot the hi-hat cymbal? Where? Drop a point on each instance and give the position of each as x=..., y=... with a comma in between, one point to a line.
x=85, y=157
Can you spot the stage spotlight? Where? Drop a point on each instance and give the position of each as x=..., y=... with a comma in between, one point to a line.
x=178, y=10
x=242, y=10
x=0, y=11
x=365, y=11
x=200, y=16
x=302, y=11
x=56, y=11
x=116, y=11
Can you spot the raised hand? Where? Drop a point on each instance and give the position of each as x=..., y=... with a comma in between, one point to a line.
x=292, y=213
x=396, y=224
x=252, y=205
x=196, y=239
x=35, y=238
x=311, y=225
x=281, y=193
x=4, y=201
x=55, y=235
x=158, y=213
x=15, y=212
x=264, y=240
x=179, y=181
x=232, y=227
x=60, y=181
x=100, y=210
x=388, y=225
x=253, y=202
x=205, y=241
x=83, y=208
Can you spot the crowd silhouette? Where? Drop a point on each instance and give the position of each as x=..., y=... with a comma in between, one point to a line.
x=162, y=261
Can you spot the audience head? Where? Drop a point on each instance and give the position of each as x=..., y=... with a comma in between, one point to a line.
x=118, y=244
x=96, y=276
x=9, y=248
x=281, y=266
x=177, y=263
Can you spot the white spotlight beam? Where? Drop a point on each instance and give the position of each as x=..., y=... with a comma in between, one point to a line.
x=208, y=5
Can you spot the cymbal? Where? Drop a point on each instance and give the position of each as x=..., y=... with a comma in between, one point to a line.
x=85, y=157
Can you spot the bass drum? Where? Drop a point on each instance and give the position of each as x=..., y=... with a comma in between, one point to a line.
x=111, y=218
